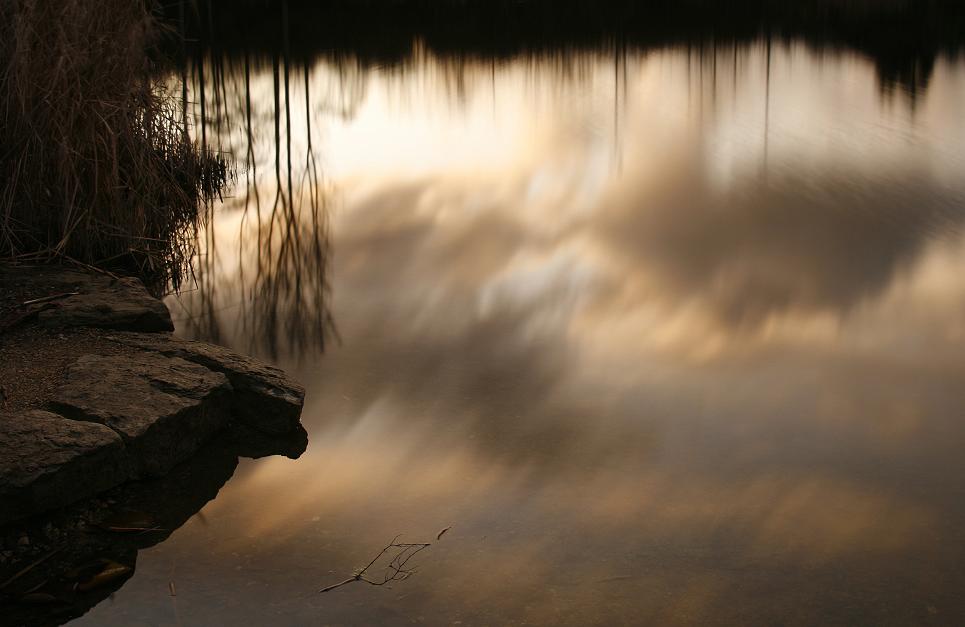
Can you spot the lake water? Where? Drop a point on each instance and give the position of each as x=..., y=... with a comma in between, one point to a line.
x=668, y=337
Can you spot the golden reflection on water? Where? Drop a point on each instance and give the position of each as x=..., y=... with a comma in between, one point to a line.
x=663, y=337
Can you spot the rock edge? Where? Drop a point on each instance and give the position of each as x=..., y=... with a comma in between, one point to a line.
x=124, y=417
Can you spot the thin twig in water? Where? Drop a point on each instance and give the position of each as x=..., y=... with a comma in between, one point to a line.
x=396, y=570
x=134, y=529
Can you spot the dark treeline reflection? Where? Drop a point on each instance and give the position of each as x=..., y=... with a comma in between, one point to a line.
x=279, y=259
x=903, y=37
x=248, y=76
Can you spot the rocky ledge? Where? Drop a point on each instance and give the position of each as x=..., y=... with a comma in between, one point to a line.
x=131, y=413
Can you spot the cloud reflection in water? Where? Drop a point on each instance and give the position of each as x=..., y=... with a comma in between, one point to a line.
x=645, y=365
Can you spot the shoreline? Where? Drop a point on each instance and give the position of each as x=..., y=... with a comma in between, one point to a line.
x=100, y=406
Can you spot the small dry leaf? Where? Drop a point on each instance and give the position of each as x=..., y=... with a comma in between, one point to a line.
x=441, y=533
x=111, y=571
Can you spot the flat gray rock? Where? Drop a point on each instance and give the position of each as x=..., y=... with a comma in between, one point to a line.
x=101, y=301
x=164, y=408
x=48, y=461
x=265, y=398
x=122, y=304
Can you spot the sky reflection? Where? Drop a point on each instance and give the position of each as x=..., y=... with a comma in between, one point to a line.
x=663, y=337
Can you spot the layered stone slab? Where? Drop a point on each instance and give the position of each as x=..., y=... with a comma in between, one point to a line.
x=78, y=299
x=164, y=408
x=49, y=461
x=265, y=398
x=122, y=304
x=138, y=412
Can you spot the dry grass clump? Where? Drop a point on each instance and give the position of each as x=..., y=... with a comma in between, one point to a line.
x=98, y=165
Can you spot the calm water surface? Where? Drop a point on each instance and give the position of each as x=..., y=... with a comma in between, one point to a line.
x=666, y=337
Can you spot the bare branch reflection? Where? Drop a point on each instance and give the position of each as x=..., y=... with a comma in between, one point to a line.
x=267, y=292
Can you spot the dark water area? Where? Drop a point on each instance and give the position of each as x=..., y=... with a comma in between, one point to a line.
x=668, y=331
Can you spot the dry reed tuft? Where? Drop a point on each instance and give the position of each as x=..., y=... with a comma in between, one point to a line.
x=98, y=163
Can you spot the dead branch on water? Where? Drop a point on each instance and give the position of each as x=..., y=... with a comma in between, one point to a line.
x=397, y=569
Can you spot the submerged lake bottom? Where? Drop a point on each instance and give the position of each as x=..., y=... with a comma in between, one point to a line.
x=668, y=337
